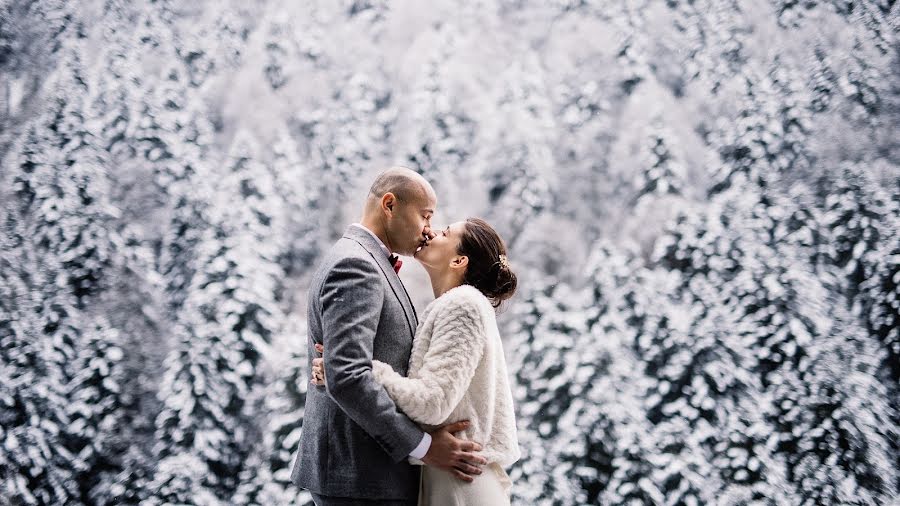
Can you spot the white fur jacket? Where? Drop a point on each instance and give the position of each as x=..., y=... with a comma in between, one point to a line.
x=457, y=372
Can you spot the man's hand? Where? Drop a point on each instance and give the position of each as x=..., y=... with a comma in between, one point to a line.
x=318, y=368
x=454, y=455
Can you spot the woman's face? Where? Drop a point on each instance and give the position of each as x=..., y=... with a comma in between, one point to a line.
x=442, y=250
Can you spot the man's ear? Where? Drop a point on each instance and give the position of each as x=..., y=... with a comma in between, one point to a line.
x=388, y=201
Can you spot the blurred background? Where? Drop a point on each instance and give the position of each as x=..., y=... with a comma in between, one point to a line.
x=701, y=199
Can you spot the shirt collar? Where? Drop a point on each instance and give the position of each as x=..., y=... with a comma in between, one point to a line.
x=384, y=248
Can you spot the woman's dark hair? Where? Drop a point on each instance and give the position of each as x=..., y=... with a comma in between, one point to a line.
x=488, y=268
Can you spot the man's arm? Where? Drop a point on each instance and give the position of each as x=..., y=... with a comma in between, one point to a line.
x=350, y=320
x=352, y=297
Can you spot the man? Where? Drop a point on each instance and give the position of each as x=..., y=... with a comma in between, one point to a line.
x=355, y=443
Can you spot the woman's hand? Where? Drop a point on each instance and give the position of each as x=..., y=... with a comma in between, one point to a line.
x=318, y=368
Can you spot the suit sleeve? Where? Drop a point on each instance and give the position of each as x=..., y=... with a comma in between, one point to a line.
x=457, y=345
x=352, y=297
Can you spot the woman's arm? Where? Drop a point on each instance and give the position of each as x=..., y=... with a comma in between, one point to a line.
x=457, y=345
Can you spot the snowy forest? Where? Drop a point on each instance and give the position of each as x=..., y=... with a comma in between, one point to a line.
x=701, y=199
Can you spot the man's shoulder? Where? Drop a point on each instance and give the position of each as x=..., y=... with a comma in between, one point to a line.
x=346, y=248
x=349, y=254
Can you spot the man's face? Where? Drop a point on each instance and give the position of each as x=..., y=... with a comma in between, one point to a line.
x=411, y=225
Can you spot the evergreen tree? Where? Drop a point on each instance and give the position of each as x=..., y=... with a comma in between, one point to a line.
x=860, y=226
x=152, y=139
x=440, y=139
x=833, y=421
x=881, y=314
x=134, y=305
x=267, y=477
x=661, y=175
x=544, y=360
x=60, y=213
x=35, y=467
x=766, y=140
x=223, y=329
x=785, y=307
x=715, y=46
x=881, y=307
x=518, y=177
x=294, y=188
x=616, y=394
x=857, y=220
x=705, y=404
x=574, y=371
x=346, y=135
x=587, y=117
x=293, y=45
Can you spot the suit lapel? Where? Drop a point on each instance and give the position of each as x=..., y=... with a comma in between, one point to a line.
x=371, y=245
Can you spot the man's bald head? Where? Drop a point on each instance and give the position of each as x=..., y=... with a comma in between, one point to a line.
x=399, y=209
x=406, y=184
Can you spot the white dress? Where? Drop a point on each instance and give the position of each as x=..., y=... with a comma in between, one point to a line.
x=457, y=371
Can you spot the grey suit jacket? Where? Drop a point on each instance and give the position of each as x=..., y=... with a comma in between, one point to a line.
x=355, y=441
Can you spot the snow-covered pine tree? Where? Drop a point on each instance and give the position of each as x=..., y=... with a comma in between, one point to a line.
x=860, y=227
x=705, y=400
x=267, y=477
x=586, y=116
x=876, y=20
x=614, y=409
x=65, y=222
x=575, y=370
x=439, y=140
x=292, y=43
x=861, y=223
x=224, y=327
x=293, y=186
x=661, y=174
x=653, y=467
x=881, y=295
x=766, y=138
x=835, y=421
x=159, y=132
x=547, y=327
x=881, y=316
x=276, y=54
x=253, y=240
x=133, y=303
x=152, y=137
x=35, y=468
x=857, y=221
x=785, y=300
x=345, y=135
x=714, y=46
x=519, y=158
x=63, y=182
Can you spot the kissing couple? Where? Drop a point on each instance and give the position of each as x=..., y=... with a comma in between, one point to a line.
x=402, y=410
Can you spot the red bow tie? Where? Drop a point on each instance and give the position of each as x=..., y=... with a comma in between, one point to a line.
x=396, y=263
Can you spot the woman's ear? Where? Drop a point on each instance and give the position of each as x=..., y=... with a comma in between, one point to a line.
x=459, y=262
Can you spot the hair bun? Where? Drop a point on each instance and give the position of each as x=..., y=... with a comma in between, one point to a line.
x=488, y=269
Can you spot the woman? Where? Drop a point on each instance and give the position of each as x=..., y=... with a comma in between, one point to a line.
x=457, y=370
